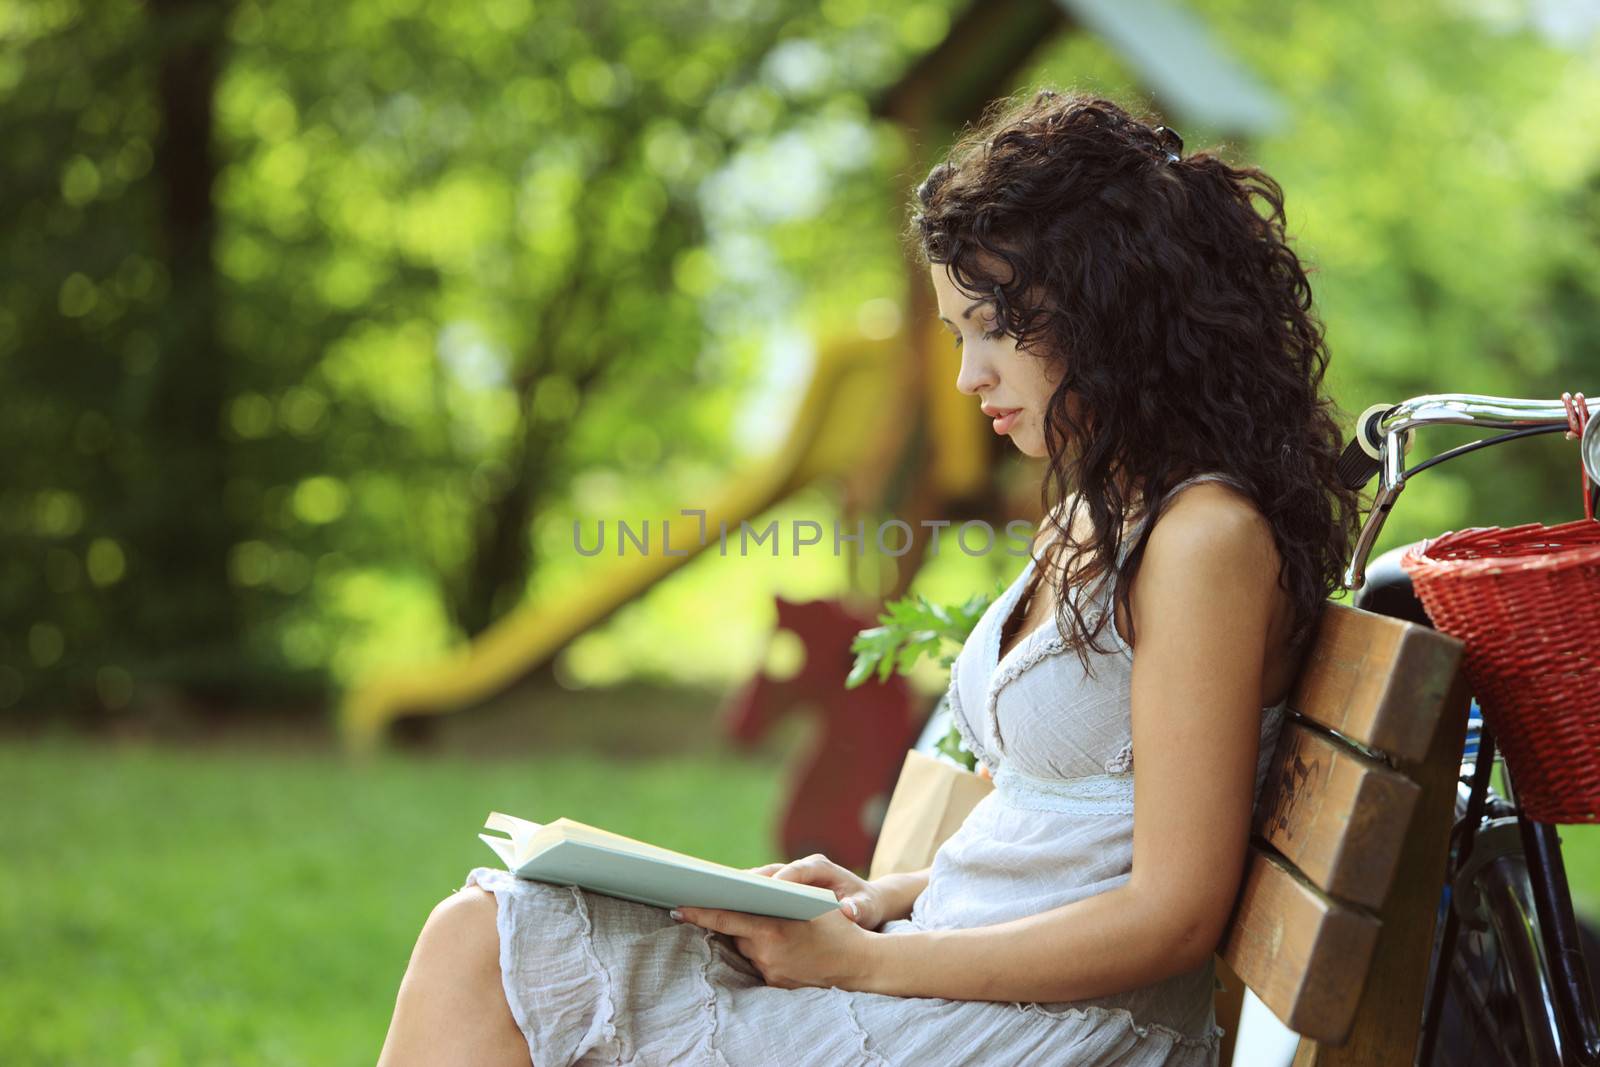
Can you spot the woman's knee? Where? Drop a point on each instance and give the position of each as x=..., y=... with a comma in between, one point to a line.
x=451, y=1006
x=460, y=934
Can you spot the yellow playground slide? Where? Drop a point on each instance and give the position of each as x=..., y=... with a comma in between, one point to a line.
x=854, y=423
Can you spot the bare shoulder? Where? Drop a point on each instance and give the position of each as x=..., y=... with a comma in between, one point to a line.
x=1211, y=554
x=1211, y=525
x=1212, y=560
x=1211, y=578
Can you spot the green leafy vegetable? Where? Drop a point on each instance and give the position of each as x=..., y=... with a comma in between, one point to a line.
x=913, y=627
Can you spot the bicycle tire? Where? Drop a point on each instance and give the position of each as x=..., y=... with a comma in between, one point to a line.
x=1499, y=1005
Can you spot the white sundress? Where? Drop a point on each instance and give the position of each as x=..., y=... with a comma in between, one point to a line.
x=596, y=980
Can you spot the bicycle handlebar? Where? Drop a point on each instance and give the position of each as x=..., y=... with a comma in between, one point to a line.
x=1383, y=432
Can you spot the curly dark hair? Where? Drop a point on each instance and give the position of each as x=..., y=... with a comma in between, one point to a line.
x=1180, y=318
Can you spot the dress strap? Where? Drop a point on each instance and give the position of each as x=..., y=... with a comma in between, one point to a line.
x=1090, y=794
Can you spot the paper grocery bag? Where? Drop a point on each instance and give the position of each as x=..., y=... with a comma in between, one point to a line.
x=931, y=798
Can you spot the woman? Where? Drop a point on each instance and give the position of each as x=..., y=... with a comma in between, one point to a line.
x=1128, y=315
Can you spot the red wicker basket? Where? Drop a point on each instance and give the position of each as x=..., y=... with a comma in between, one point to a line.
x=1526, y=600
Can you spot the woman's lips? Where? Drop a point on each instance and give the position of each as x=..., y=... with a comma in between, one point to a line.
x=1005, y=420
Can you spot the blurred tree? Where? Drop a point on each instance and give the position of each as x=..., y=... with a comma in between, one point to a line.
x=320, y=323
x=115, y=373
x=368, y=287
x=1440, y=192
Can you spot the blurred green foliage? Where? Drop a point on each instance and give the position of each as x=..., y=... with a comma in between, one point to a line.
x=460, y=265
x=321, y=324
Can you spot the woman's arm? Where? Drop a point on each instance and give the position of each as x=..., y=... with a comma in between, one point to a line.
x=1202, y=608
x=898, y=892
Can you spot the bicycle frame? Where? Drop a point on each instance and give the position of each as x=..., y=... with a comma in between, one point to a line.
x=1384, y=434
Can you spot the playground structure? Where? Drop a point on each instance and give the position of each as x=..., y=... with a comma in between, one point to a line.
x=879, y=420
x=824, y=442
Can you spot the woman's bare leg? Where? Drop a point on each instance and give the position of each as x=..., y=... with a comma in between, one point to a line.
x=452, y=1007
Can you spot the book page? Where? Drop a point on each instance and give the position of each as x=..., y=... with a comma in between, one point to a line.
x=525, y=836
x=512, y=825
x=504, y=848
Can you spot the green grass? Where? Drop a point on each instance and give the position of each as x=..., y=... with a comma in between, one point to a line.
x=210, y=906
x=216, y=905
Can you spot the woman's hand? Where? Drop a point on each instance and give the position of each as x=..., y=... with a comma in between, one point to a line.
x=830, y=950
x=860, y=900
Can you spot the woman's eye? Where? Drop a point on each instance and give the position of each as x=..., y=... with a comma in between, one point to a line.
x=988, y=335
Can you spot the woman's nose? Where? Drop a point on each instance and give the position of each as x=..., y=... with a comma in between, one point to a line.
x=976, y=375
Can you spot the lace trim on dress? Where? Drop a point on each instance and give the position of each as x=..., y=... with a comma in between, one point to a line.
x=1123, y=1015
x=1018, y=660
x=1089, y=794
x=958, y=716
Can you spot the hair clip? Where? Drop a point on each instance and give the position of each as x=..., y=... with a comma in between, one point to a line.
x=1162, y=133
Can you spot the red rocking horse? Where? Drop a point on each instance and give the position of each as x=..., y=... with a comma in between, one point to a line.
x=840, y=786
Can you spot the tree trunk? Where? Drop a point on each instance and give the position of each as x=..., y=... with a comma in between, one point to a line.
x=186, y=615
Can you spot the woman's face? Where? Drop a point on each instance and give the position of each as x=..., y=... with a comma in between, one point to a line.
x=1013, y=387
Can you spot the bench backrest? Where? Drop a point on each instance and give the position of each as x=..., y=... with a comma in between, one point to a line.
x=1334, y=922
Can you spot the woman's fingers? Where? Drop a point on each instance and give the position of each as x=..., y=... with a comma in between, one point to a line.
x=794, y=871
x=817, y=869
x=855, y=896
x=862, y=909
x=857, y=899
x=732, y=923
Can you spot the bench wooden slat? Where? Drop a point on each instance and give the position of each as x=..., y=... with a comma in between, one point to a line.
x=1388, y=1017
x=1377, y=680
x=1336, y=814
x=1305, y=954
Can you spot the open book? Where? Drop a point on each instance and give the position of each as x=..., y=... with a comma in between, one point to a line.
x=570, y=853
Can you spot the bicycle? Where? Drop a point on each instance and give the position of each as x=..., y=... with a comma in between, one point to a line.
x=1509, y=981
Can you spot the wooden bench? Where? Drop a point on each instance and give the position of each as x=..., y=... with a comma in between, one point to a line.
x=1334, y=922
